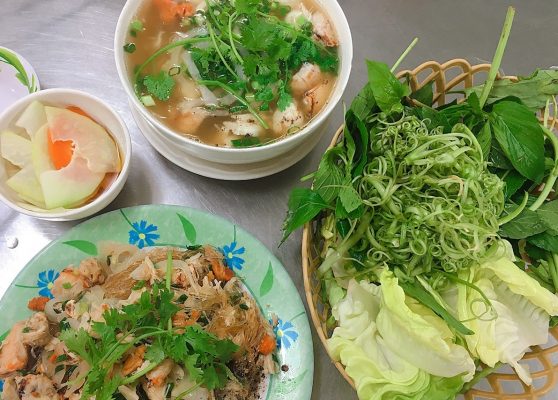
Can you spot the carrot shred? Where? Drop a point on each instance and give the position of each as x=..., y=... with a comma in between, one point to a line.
x=221, y=272
x=169, y=10
x=267, y=345
x=134, y=360
x=179, y=320
x=53, y=357
x=37, y=303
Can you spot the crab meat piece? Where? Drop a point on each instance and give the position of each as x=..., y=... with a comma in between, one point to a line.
x=146, y=271
x=134, y=360
x=179, y=278
x=323, y=30
x=315, y=98
x=36, y=331
x=243, y=125
x=13, y=354
x=190, y=121
x=307, y=77
x=154, y=392
x=68, y=285
x=158, y=375
x=91, y=271
x=291, y=117
x=36, y=387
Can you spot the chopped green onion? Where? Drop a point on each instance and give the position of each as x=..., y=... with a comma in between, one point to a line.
x=135, y=27
x=248, y=141
x=163, y=50
x=237, y=109
x=139, y=285
x=129, y=48
x=60, y=358
x=168, y=390
x=174, y=70
x=147, y=101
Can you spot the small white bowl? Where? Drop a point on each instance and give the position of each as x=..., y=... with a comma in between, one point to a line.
x=104, y=115
x=244, y=156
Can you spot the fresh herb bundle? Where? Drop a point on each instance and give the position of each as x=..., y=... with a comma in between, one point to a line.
x=426, y=191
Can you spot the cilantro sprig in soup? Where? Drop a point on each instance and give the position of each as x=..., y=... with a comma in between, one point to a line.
x=233, y=73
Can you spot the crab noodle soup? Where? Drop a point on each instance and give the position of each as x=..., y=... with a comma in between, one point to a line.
x=233, y=73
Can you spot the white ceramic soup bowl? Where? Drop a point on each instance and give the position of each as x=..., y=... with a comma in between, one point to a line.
x=104, y=115
x=226, y=155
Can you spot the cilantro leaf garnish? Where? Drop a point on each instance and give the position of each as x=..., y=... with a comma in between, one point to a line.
x=249, y=50
x=147, y=322
x=160, y=85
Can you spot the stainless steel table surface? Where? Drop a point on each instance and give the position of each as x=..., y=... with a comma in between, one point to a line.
x=70, y=44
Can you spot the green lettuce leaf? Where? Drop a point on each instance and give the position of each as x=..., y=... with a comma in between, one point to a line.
x=514, y=320
x=415, y=333
x=378, y=371
x=519, y=282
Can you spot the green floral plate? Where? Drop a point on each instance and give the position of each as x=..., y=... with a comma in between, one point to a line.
x=157, y=225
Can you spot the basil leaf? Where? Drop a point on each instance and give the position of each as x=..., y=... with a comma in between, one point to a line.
x=545, y=241
x=548, y=214
x=357, y=138
x=364, y=103
x=304, y=204
x=484, y=138
x=474, y=102
x=513, y=181
x=350, y=199
x=497, y=158
x=341, y=212
x=526, y=224
x=436, y=117
x=535, y=253
x=520, y=135
x=456, y=113
x=425, y=94
x=533, y=91
x=330, y=176
x=386, y=88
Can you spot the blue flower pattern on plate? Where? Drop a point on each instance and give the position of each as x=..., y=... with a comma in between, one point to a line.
x=285, y=333
x=142, y=234
x=231, y=254
x=45, y=282
x=1, y=386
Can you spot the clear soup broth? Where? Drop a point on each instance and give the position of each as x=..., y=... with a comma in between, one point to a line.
x=233, y=74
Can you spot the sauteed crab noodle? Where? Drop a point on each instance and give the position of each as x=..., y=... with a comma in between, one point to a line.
x=156, y=323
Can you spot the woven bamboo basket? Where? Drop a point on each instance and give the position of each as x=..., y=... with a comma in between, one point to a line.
x=504, y=384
